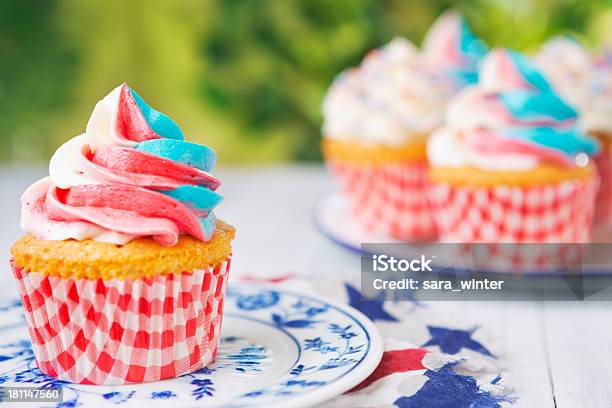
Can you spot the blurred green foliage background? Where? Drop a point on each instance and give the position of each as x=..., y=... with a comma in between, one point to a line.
x=245, y=77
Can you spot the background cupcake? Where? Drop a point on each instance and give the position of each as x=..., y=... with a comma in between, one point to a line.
x=377, y=118
x=586, y=82
x=123, y=270
x=510, y=164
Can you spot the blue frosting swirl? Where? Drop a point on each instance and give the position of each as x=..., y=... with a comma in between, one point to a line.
x=172, y=147
x=540, y=115
x=158, y=121
x=471, y=49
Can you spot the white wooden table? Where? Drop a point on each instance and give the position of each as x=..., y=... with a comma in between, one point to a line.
x=556, y=354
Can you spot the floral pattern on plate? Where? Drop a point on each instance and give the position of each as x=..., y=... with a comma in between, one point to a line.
x=277, y=348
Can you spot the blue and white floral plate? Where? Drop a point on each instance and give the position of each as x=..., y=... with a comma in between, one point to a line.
x=278, y=348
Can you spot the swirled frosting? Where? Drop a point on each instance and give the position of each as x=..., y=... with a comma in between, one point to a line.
x=399, y=92
x=583, y=79
x=511, y=120
x=389, y=98
x=129, y=175
x=451, y=47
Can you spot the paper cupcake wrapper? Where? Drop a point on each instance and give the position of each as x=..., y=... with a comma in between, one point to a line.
x=95, y=331
x=389, y=199
x=557, y=213
x=603, y=207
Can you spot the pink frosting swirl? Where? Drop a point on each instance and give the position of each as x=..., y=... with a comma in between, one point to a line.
x=130, y=175
x=511, y=120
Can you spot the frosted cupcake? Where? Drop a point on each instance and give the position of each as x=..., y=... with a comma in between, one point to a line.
x=586, y=82
x=377, y=118
x=123, y=269
x=510, y=164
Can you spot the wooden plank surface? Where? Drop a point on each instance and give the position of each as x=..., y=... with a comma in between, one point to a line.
x=514, y=334
x=579, y=346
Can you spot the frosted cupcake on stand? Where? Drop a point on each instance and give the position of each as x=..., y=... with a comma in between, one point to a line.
x=378, y=117
x=511, y=164
x=585, y=81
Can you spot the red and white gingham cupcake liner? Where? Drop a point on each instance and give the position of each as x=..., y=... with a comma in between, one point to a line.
x=95, y=331
x=603, y=207
x=556, y=213
x=389, y=199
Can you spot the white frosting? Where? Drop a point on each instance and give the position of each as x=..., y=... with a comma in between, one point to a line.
x=390, y=98
x=102, y=125
x=475, y=108
x=471, y=109
x=64, y=166
x=438, y=44
x=596, y=114
x=445, y=149
x=65, y=171
x=586, y=85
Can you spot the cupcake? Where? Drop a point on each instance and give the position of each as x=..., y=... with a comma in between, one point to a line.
x=510, y=163
x=377, y=119
x=586, y=82
x=123, y=268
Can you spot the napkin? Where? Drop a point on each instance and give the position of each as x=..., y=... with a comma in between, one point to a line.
x=435, y=356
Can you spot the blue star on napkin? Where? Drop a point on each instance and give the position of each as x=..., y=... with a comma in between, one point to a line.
x=446, y=389
x=451, y=341
x=373, y=308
